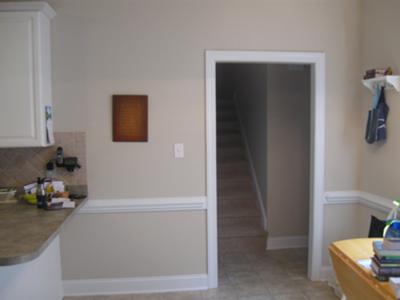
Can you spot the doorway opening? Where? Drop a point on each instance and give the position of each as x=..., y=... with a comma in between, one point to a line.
x=228, y=109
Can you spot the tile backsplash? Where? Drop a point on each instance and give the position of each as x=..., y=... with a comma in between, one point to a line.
x=19, y=166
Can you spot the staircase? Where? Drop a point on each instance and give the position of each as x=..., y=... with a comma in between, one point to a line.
x=239, y=218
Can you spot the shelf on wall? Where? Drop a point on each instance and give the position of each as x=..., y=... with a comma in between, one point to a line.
x=389, y=82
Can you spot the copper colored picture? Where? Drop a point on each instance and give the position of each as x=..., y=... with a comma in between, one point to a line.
x=130, y=118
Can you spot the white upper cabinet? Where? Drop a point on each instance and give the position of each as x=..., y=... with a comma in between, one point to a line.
x=25, y=75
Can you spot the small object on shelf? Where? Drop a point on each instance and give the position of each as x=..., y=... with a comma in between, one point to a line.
x=389, y=82
x=378, y=72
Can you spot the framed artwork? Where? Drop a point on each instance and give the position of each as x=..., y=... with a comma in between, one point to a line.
x=130, y=118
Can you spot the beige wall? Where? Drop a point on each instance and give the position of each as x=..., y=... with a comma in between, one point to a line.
x=134, y=244
x=346, y=221
x=381, y=163
x=156, y=47
x=288, y=150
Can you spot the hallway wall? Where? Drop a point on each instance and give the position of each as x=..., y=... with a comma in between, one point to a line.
x=288, y=154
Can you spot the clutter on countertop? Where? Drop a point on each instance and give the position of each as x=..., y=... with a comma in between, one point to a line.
x=54, y=192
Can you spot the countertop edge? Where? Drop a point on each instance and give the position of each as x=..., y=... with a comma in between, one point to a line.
x=12, y=261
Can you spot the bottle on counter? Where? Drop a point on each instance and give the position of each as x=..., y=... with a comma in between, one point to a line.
x=41, y=194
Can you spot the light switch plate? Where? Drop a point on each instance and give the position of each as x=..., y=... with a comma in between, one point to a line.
x=179, y=151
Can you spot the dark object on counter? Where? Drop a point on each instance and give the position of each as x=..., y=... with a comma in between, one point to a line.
x=77, y=196
x=70, y=163
x=60, y=157
x=54, y=206
x=41, y=193
x=50, y=166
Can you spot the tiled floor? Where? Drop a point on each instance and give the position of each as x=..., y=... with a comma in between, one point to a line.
x=263, y=275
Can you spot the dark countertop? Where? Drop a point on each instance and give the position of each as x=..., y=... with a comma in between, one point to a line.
x=26, y=231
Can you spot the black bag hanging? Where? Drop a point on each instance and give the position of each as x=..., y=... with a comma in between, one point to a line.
x=377, y=116
x=370, y=131
x=382, y=114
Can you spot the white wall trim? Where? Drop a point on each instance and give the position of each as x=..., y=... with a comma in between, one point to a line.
x=260, y=200
x=317, y=162
x=143, y=205
x=114, y=286
x=286, y=242
x=351, y=197
x=41, y=6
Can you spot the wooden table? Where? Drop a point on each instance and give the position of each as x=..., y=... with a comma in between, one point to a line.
x=356, y=281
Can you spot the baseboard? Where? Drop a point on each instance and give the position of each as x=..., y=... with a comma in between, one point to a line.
x=286, y=242
x=114, y=286
x=260, y=201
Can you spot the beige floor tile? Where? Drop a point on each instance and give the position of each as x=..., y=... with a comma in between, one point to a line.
x=268, y=275
x=156, y=296
x=184, y=296
x=292, y=296
x=114, y=297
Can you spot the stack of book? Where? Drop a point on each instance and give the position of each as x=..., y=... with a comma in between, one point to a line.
x=378, y=72
x=386, y=260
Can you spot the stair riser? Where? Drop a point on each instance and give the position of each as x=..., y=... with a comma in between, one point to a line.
x=237, y=210
x=240, y=227
x=241, y=245
x=230, y=137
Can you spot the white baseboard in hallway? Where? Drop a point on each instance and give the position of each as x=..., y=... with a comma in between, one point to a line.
x=135, y=285
x=286, y=242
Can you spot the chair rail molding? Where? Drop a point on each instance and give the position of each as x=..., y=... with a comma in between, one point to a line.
x=358, y=197
x=101, y=206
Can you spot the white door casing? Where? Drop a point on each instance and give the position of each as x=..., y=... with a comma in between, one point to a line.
x=317, y=160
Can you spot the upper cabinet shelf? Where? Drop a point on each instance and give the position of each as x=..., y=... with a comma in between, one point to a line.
x=389, y=82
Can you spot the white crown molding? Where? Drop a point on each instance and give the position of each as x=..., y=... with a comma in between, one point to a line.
x=40, y=6
x=144, y=205
x=360, y=197
x=286, y=242
x=114, y=286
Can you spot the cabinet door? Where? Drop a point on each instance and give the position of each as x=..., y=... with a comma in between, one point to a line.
x=18, y=65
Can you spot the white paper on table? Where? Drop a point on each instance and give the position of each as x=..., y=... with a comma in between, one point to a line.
x=366, y=263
